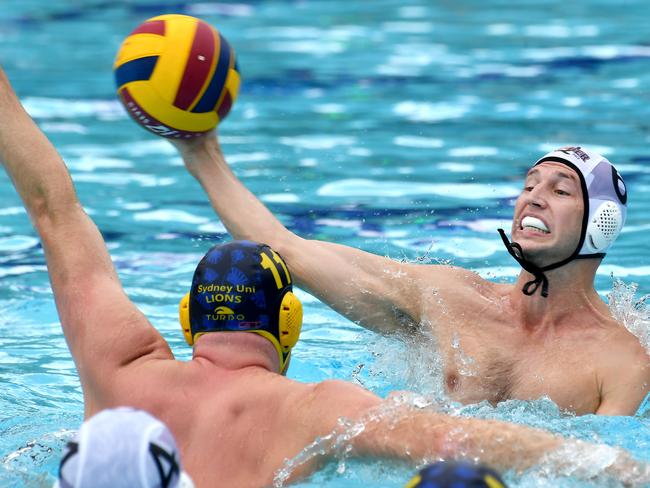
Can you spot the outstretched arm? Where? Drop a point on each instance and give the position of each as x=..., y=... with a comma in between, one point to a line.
x=421, y=434
x=104, y=330
x=395, y=429
x=374, y=291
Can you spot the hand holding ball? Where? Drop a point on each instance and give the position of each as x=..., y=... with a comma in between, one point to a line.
x=176, y=76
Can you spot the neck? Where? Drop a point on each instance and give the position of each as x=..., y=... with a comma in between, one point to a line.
x=571, y=294
x=237, y=350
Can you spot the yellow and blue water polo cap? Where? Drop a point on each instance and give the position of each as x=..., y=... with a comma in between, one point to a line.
x=243, y=286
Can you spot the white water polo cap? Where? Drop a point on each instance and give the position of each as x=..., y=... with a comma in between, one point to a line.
x=604, y=194
x=605, y=197
x=122, y=448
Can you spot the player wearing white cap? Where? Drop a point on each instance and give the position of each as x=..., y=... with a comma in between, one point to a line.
x=122, y=448
x=548, y=334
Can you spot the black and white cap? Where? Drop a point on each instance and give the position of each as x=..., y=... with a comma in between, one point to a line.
x=604, y=194
x=605, y=207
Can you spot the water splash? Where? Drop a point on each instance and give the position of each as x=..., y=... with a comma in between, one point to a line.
x=633, y=313
x=466, y=364
x=409, y=362
x=577, y=463
x=338, y=445
x=19, y=466
x=578, y=459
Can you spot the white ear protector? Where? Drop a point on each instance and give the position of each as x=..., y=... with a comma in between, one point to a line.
x=603, y=228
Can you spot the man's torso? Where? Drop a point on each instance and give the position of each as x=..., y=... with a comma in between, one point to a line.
x=487, y=355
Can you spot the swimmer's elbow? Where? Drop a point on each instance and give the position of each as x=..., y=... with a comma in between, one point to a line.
x=47, y=203
x=287, y=244
x=152, y=347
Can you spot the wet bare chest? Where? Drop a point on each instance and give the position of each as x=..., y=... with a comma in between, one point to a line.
x=489, y=361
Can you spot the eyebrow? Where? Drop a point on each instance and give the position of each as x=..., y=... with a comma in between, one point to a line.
x=558, y=173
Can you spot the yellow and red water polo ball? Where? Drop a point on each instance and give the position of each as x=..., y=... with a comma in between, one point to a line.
x=176, y=76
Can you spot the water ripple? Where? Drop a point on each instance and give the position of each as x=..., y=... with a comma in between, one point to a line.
x=392, y=189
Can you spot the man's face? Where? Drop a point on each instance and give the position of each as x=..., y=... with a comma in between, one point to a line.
x=548, y=214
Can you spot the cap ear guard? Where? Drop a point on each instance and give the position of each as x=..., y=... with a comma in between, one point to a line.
x=184, y=318
x=289, y=325
x=603, y=227
x=290, y=321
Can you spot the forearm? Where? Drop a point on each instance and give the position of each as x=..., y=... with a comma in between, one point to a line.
x=241, y=212
x=44, y=184
x=417, y=435
x=72, y=244
x=32, y=163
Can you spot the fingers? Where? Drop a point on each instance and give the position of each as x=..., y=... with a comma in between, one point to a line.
x=194, y=143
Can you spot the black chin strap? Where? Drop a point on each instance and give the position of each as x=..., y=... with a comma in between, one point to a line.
x=517, y=252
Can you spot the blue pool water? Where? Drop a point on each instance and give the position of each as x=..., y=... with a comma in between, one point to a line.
x=401, y=127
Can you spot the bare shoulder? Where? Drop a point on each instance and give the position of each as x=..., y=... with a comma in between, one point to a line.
x=623, y=347
x=624, y=371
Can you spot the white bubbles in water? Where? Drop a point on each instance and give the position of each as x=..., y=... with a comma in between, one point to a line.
x=466, y=364
x=610, y=466
x=337, y=445
x=633, y=313
x=409, y=362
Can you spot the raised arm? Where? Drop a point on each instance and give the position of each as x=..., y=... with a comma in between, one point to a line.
x=104, y=330
x=376, y=292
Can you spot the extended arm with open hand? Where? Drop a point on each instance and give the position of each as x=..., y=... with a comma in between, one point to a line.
x=395, y=429
x=104, y=330
x=374, y=291
x=424, y=435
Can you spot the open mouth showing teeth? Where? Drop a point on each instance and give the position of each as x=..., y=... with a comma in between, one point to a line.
x=533, y=223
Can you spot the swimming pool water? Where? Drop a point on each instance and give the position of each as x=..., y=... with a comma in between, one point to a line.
x=401, y=127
